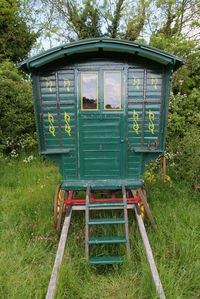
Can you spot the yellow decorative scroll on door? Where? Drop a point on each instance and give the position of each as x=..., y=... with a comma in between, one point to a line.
x=135, y=124
x=51, y=121
x=67, y=126
x=151, y=124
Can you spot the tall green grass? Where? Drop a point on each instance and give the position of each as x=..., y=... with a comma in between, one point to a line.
x=28, y=242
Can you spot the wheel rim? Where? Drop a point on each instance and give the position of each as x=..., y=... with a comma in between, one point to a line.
x=60, y=209
x=141, y=205
x=59, y=206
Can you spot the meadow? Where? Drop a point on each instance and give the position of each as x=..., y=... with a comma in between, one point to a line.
x=28, y=241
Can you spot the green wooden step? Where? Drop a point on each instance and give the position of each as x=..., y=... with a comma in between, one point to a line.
x=102, y=260
x=106, y=221
x=105, y=204
x=106, y=240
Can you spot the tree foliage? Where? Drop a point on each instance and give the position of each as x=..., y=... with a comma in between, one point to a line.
x=74, y=20
x=16, y=37
x=171, y=25
x=16, y=109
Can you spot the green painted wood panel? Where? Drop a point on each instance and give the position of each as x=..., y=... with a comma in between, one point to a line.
x=145, y=94
x=101, y=134
x=96, y=141
x=135, y=123
x=151, y=124
x=66, y=86
x=57, y=106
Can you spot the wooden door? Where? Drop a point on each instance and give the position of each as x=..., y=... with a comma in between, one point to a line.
x=101, y=124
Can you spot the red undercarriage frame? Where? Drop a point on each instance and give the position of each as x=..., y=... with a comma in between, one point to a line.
x=70, y=199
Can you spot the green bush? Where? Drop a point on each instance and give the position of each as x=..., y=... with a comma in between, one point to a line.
x=183, y=158
x=17, y=125
x=184, y=112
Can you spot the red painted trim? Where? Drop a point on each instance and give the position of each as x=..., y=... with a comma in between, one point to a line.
x=87, y=249
x=141, y=68
x=161, y=105
x=75, y=97
x=126, y=211
x=67, y=104
x=143, y=124
x=153, y=148
x=83, y=201
x=127, y=124
x=145, y=101
x=58, y=110
x=167, y=114
x=143, y=107
x=62, y=149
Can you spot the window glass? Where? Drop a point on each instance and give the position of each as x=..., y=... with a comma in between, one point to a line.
x=112, y=90
x=89, y=91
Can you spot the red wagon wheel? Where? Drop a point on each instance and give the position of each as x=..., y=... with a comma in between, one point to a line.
x=59, y=206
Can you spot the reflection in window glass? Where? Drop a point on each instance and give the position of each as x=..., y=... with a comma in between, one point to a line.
x=89, y=94
x=112, y=90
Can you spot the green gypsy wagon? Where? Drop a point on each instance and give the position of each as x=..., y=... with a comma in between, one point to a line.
x=101, y=108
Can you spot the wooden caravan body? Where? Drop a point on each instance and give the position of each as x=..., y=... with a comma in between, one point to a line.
x=101, y=109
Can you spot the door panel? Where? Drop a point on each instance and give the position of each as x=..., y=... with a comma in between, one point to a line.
x=100, y=128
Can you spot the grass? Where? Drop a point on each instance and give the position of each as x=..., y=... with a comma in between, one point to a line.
x=29, y=242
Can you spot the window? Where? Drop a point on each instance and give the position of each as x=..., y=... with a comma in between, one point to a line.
x=112, y=90
x=89, y=91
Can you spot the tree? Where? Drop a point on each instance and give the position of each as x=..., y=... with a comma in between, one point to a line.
x=69, y=20
x=16, y=37
x=179, y=17
x=16, y=109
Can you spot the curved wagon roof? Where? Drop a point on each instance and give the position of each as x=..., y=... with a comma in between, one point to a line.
x=106, y=44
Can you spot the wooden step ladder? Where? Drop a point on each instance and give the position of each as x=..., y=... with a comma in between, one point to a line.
x=80, y=205
x=105, y=221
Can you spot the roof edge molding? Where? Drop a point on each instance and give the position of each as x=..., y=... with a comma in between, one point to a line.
x=108, y=44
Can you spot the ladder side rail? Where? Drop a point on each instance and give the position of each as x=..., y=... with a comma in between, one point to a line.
x=86, y=223
x=126, y=221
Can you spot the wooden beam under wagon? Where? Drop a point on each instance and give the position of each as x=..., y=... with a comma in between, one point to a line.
x=59, y=255
x=149, y=254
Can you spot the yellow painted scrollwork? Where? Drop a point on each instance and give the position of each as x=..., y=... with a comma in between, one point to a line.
x=154, y=81
x=67, y=126
x=136, y=82
x=135, y=124
x=151, y=124
x=51, y=121
x=49, y=84
x=66, y=84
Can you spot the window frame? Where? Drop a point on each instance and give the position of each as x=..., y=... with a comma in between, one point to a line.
x=113, y=109
x=89, y=72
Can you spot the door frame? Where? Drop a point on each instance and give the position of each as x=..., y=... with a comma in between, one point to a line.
x=103, y=113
